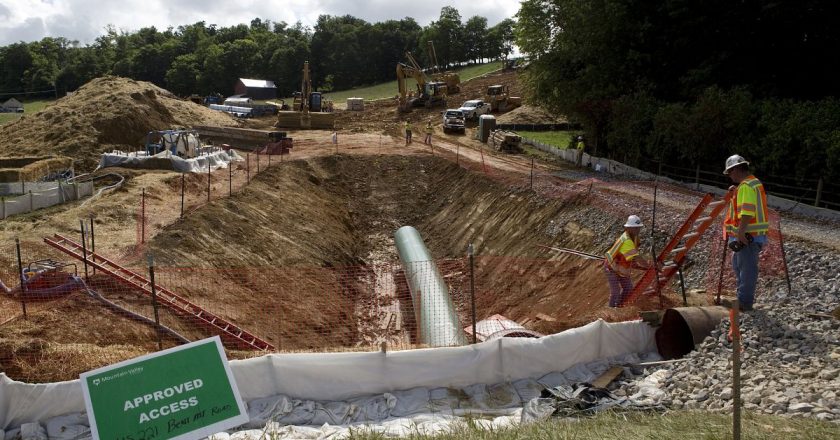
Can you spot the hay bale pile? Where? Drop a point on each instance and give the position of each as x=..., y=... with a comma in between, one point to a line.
x=105, y=114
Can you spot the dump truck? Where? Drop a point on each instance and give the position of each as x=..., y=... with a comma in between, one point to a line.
x=498, y=96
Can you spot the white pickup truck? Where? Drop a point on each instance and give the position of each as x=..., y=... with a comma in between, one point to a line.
x=474, y=108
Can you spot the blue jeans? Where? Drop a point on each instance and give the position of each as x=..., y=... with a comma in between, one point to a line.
x=745, y=265
x=620, y=287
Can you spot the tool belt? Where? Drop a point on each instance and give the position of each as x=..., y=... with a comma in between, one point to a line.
x=736, y=245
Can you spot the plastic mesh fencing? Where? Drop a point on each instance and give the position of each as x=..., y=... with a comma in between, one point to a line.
x=97, y=319
x=623, y=198
x=773, y=270
x=194, y=191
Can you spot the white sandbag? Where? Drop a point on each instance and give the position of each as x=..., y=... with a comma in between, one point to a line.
x=69, y=427
x=303, y=411
x=528, y=389
x=331, y=413
x=579, y=373
x=553, y=379
x=372, y=408
x=503, y=395
x=537, y=409
x=33, y=431
x=413, y=401
x=444, y=399
x=12, y=434
x=261, y=411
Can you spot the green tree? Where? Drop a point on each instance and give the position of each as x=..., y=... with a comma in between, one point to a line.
x=15, y=60
x=448, y=37
x=501, y=39
x=182, y=76
x=475, y=38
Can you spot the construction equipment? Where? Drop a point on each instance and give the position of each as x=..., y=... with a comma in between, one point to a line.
x=183, y=143
x=500, y=100
x=429, y=94
x=44, y=280
x=452, y=79
x=307, y=108
x=230, y=332
x=671, y=258
x=506, y=141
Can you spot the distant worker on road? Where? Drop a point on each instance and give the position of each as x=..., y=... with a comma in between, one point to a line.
x=407, y=131
x=429, y=131
x=579, y=155
x=746, y=225
x=621, y=257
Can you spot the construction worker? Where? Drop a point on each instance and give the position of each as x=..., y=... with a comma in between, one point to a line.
x=580, y=146
x=746, y=225
x=429, y=131
x=407, y=131
x=621, y=257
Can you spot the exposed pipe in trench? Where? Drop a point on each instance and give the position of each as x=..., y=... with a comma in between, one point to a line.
x=434, y=311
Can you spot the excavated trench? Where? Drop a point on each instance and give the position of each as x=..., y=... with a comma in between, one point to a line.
x=310, y=262
x=304, y=257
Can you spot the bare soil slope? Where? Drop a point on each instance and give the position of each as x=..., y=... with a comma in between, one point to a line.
x=265, y=258
x=105, y=114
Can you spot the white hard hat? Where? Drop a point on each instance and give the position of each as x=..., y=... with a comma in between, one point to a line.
x=733, y=161
x=633, y=222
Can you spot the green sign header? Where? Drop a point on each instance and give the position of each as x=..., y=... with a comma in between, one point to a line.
x=183, y=393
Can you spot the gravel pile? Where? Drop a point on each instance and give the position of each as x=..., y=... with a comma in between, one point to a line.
x=791, y=350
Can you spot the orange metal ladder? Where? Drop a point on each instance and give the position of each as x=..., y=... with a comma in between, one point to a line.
x=672, y=256
x=229, y=332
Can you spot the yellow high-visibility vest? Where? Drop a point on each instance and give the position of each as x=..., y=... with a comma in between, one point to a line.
x=622, y=253
x=750, y=200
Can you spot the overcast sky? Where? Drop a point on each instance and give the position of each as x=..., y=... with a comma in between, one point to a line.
x=84, y=20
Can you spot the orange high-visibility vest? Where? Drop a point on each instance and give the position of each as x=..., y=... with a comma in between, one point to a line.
x=622, y=252
x=749, y=200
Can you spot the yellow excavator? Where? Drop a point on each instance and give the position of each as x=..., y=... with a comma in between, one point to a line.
x=452, y=79
x=307, y=109
x=428, y=93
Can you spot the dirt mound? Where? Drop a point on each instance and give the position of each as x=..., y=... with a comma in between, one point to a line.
x=105, y=114
x=531, y=115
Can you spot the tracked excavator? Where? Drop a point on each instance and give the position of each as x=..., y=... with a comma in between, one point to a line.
x=428, y=93
x=307, y=108
x=452, y=79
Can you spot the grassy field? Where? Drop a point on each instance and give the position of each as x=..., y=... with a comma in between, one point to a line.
x=389, y=89
x=28, y=107
x=560, y=139
x=625, y=426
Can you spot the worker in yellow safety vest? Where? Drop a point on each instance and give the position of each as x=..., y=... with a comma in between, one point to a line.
x=579, y=153
x=429, y=131
x=407, y=131
x=745, y=227
x=621, y=257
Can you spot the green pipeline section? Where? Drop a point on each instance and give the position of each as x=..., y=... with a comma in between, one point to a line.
x=434, y=312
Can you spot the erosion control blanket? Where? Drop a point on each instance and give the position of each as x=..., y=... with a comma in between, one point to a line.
x=289, y=383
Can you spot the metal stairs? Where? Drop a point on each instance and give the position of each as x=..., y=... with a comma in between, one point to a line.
x=671, y=257
x=230, y=333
